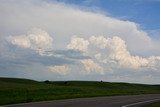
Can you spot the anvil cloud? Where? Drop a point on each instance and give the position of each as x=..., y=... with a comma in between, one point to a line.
x=59, y=41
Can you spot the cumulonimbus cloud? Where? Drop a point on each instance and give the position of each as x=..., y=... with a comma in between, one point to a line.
x=64, y=21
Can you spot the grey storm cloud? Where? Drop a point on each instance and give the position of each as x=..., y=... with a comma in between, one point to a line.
x=72, y=54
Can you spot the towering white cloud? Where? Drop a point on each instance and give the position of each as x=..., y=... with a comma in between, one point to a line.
x=99, y=41
x=21, y=41
x=61, y=70
x=118, y=52
x=79, y=44
x=36, y=39
x=92, y=67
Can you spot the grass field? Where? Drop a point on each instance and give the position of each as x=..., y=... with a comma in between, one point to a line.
x=14, y=90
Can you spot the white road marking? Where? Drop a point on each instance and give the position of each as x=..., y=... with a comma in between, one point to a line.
x=141, y=102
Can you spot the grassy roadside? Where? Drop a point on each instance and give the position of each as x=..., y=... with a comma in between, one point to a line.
x=23, y=90
x=156, y=104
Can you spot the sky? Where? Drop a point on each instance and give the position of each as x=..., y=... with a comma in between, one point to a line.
x=115, y=41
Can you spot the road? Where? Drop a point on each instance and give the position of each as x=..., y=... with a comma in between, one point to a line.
x=112, y=101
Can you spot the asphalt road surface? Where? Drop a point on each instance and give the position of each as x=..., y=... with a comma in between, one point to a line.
x=112, y=101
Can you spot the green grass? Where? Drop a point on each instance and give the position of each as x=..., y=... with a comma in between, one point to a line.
x=13, y=90
x=156, y=104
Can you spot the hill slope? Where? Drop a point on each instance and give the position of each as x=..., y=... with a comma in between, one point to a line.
x=13, y=90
